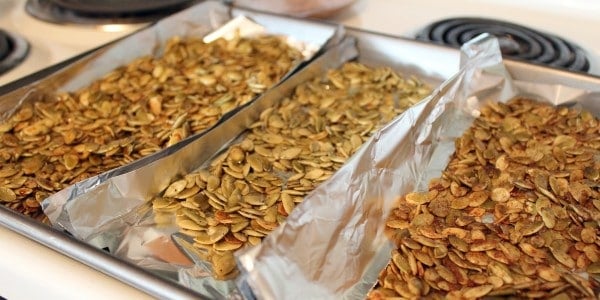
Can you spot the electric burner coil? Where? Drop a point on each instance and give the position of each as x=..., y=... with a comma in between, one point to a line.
x=104, y=11
x=13, y=50
x=516, y=41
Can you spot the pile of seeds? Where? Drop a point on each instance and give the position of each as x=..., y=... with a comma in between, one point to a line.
x=516, y=212
x=248, y=190
x=136, y=110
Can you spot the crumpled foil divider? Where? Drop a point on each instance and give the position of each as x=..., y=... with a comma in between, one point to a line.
x=333, y=245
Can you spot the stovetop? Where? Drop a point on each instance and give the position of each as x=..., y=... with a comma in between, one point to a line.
x=575, y=21
x=570, y=26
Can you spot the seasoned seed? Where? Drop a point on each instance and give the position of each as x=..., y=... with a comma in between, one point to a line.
x=189, y=224
x=548, y=274
x=8, y=171
x=175, y=188
x=227, y=245
x=213, y=235
x=533, y=228
x=417, y=198
x=223, y=264
x=594, y=268
x=588, y=235
x=188, y=192
x=559, y=248
x=30, y=165
x=460, y=203
x=290, y=153
x=548, y=217
x=477, y=292
x=7, y=195
x=422, y=220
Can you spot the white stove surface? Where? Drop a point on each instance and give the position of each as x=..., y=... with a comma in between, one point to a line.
x=49, y=274
x=575, y=20
x=51, y=43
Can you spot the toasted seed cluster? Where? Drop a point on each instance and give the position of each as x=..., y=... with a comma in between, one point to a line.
x=515, y=214
x=136, y=110
x=250, y=189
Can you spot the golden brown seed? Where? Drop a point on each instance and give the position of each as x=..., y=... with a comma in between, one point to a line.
x=559, y=248
x=495, y=281
x=594, y=268
x=548, y=217
x=548, y=273
x=155, y=104
x=288, y=204
x=477, y=292
x=30, y=165
x=500, y=195
x=213, y=235
x=8, y=171
x=460, y=203
x=588, y=235
x=189, y=224
x=422, y=220
x=7, y=195
x=227, y=245
x=290, y=153
x=175, y=188
x=223, y=264
x=417, y=198
x=236, y=154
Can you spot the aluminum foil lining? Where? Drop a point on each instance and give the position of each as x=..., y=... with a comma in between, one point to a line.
x=112, y=211
x=333, y=245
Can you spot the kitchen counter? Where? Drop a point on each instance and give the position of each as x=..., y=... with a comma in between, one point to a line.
x=33, y=271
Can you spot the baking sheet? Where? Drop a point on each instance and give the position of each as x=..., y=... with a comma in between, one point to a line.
x=128, y=233
x=340, y=226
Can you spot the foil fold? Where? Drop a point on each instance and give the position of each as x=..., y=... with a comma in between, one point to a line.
x=333, y=245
